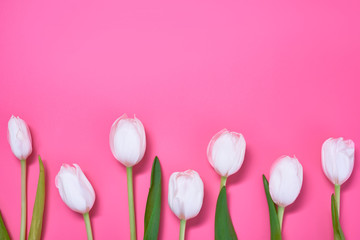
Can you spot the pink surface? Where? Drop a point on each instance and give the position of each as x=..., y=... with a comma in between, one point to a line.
x=285, y=75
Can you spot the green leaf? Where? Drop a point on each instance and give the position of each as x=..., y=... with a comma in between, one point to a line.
x=338, y=233
x=224, y=229
x=38, y=211
x=3, y=232
x=274, y=221
x=153, y=204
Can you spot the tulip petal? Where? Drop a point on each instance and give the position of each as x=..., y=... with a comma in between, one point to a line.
x=338, y=233
x=38, y=211
x=3, y=232
x=274, y=221
x=153, y=204
x=86, y=187
x=224, y=228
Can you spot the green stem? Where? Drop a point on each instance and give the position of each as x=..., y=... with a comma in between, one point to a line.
x=182, y=229
x=88, y=226
x=131, y=203
x=23, y=200
x=337, y=198
x=280, y=215
x=223, y=181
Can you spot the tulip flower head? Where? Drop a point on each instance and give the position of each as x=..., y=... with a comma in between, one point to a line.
x=128, y=140
x=19, y=138
x=226, y=152
x=286, y=177
x=186, y=193
x=75, y=189
x=337, y=158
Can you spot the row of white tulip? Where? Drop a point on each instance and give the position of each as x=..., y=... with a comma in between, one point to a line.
x=225, y=153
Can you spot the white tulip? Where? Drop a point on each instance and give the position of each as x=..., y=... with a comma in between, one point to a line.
x=19, y=138
x=337, y=158
x=286, y=179
x=128, y=140
x=186, y=193
x=75, y=189
x=128, y=144
x=226, y=152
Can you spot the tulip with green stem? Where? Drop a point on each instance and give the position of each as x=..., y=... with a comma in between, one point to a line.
x=225, y=152
x=128, y=144
x=77, y=192
x=19, y=138
x=186, y=194
x=337, y=158
x=286, y=178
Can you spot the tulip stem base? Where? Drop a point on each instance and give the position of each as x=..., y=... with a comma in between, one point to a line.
x=88, y=226
x=280, y=214
x=223, y=181
x=129, y=173
x=182, y=229
x=23, y=200
x=337, y=198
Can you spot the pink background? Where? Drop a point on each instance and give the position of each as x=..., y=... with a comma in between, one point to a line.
x=285, y=75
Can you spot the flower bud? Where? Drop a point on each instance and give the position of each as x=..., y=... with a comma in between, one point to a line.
x=286, y=179
x=19, y=138
x=337, y=157
x=226, y=152
x=186, y=193
x=75, y=189
x=127, y=140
